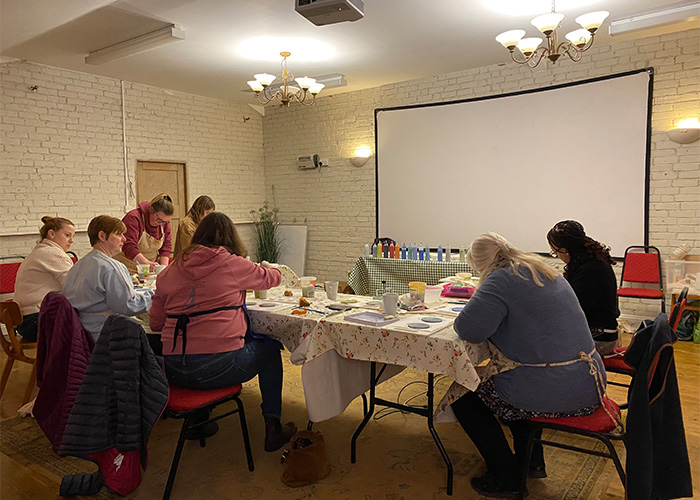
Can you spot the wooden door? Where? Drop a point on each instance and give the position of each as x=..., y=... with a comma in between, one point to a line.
x=153, y=178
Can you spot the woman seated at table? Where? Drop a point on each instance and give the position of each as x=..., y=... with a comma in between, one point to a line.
x=148, y=234
x=589, y=272
x=531, y=315
x=98, y=285
x=43, y=271
x=199, y=307
x=201, y=207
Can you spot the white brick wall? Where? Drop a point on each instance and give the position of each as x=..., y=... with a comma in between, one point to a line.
x=338, y=124
x=61, y=149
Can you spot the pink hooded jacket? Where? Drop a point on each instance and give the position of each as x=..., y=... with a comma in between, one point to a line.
x=208, y=278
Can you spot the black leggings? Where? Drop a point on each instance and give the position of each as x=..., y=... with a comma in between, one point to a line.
x=485, y=431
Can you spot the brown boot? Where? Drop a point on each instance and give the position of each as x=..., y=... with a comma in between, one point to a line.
x=276, y=436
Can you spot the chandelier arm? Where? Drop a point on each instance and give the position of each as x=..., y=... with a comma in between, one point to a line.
x=571, y=50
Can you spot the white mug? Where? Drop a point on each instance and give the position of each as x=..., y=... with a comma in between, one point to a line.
x=391, y=303
x=332, y=289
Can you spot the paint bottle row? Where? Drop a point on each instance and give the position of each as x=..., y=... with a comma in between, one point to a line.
x=412, y=252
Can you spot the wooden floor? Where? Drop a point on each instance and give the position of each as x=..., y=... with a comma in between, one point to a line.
x=20, y=481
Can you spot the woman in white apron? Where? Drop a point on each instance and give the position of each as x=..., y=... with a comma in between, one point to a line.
x=147, y=234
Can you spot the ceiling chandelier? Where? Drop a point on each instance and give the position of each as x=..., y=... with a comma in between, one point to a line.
x=577, y=42
x=265, y=94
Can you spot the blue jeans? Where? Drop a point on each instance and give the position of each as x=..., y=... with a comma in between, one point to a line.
x=29, y=326
x=214, y=371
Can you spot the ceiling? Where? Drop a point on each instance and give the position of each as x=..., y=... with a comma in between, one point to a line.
x=397, y=40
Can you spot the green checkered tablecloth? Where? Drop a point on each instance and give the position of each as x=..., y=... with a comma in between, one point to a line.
x=368, y=273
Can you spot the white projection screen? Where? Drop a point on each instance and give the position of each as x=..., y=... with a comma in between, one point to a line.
x=518, y=163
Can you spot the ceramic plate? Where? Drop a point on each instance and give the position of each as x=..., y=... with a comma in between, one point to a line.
x=457, y=309
x=418, y=326
x=250, y=303
x=268, y=304
x=431, y=319
x=348, y=301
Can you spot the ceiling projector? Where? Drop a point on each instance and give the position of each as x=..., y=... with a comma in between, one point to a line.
x=322, y=12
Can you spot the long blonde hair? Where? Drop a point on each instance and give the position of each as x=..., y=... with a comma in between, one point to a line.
x=491, y=251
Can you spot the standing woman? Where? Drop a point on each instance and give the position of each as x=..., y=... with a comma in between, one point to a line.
x=589, y=272
x=201, y=207
x=148, y=234
x=43, y=271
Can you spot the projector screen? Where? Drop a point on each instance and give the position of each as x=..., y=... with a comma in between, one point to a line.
x=516, y=164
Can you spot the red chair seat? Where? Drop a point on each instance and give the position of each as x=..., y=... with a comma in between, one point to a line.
x=598, y=421
x=183, y=400
x=640, y=292
x=617, y=364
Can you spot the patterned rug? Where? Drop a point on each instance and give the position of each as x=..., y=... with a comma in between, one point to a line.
x=397, y=458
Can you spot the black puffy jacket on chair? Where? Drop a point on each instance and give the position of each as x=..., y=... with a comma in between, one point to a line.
x=657, y=455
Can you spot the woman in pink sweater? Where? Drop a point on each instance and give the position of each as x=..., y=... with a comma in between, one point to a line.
x=43, y=271
x=199, y=307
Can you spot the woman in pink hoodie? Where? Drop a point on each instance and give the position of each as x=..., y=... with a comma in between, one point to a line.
x=199, y=307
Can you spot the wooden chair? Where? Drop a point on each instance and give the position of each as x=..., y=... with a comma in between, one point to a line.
x=184, y=403
x=642, y=267
x=11, y=316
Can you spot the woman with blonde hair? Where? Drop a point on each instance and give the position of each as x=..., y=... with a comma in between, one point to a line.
x=43, y=271
x=530, y=314
x=201, y=207
x=148, y=234
x=98, y=285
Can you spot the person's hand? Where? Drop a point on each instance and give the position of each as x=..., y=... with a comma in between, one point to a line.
x=266, y=265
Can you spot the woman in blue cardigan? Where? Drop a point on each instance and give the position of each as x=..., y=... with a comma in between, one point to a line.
x=531, y=315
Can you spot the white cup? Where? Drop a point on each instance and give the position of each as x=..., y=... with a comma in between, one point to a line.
x=332, y=289
x=391, y=303
x=159, y=268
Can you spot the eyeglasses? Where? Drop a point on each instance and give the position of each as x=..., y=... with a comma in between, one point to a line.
x=161, y=221
x=554, y=253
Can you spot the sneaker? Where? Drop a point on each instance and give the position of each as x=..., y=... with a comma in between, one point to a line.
x=491, y=485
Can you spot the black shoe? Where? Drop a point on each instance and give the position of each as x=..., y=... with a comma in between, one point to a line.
x=537, y=472
x=205, y=431
x=491, y=485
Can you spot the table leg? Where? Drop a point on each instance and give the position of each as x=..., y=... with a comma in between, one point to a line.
x=368, y=412
x=425, y=412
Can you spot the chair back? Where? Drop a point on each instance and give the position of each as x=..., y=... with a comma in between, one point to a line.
x=642, y=267
x=10, y=316
x=8, y=273
x=73, y=256
x=678, y=309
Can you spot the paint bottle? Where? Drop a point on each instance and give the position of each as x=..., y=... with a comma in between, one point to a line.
x=439, y=253
x=421, y=252
x=385, y=250
x=366, y=250
x=380, y=250
x=397, y=251
x=391, y=250
x=403, y=250
x=414, y=252
x=448, y=253
x=462, y=255
x=374, y=250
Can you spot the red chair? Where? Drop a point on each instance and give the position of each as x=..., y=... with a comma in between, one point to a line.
x=642, y=267
x=615, y=363
x=183, y=403
x=8, y=273
x=73, y=256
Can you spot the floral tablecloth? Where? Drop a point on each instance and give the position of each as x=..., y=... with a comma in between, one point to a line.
x=317, y=339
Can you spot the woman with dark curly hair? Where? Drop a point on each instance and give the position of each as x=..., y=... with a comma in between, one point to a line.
x=589, y=272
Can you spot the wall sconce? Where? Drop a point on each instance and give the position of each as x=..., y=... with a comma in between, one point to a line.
x=361, y=157
x=686, y=131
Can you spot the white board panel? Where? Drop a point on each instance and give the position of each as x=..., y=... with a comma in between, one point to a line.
x=517, y=164
x=293, y=245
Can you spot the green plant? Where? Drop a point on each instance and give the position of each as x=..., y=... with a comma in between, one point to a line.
x=267, y=232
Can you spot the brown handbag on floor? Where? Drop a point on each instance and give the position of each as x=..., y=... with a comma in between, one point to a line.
x=306, y=461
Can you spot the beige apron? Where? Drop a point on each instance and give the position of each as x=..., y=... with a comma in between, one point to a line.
x=148, y=246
